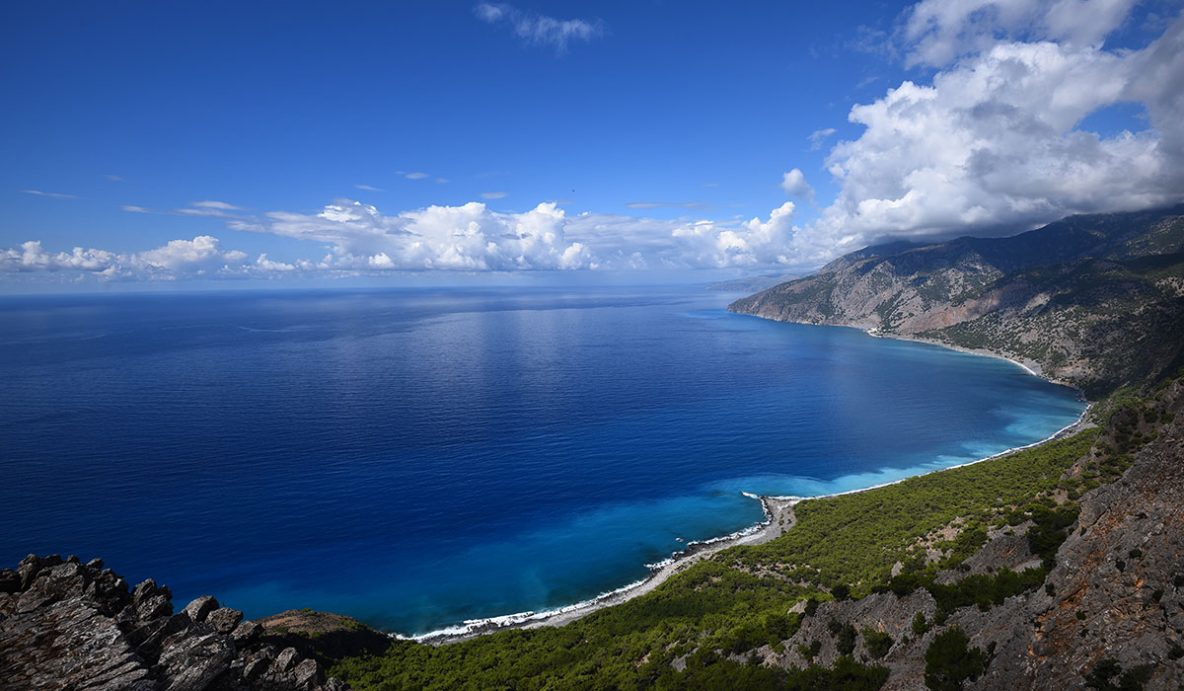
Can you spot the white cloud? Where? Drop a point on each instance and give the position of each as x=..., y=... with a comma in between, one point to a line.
x=794, y=183
x=30, y=256
x=994, y=140
x=213, y=208
x=413, y=175
x=220, y=206
x=493, y=195
x=367, y=188
x=941, y=31
x=469, y=237
x=113, y=178
x=707, y=244
x=201, y=256
x=180, y=254
x=539, y=29
x=51, y=195
x=133, y=209
x=818, y=137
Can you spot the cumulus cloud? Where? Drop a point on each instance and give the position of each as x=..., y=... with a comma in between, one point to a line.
x=794, y=183
x=469, y=237
x=707, y=244
x=539, y=29
x=995, y=139
x=941, y=31
x=201, y=256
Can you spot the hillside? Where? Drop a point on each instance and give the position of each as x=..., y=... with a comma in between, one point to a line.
x=1096, y=301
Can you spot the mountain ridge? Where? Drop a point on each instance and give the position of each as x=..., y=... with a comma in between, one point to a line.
x=1095, y=301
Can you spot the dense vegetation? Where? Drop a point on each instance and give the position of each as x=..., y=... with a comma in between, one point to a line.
x=698, y=629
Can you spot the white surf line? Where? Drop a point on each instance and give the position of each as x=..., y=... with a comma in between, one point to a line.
x=1052, y=437
x=659, y=571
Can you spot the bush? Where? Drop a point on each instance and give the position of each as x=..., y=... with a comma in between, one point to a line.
x=1109, y=676
x=845, y=641
x=920, y=626
x=878, y=643
x=950, y=661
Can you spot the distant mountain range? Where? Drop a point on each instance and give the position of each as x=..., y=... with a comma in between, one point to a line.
x=1096, y=301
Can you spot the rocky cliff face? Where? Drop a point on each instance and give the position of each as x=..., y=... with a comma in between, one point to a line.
x=1109, y=615
x=69, y=625
x=1097, y=301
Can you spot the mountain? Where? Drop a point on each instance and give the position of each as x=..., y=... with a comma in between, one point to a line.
x=1096, y=301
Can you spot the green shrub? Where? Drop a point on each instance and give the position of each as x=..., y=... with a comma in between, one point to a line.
x=878, y=643
x=845, y=641
x=950, y=661
x=920, y=626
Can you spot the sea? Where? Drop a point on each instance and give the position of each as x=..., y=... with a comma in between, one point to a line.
x=418, y=458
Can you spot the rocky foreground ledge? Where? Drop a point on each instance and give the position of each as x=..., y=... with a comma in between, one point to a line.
x=69, y=625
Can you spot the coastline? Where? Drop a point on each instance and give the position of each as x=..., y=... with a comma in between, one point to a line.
x=779, y=517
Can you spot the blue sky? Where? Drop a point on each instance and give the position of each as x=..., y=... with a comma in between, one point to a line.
x=660, y=134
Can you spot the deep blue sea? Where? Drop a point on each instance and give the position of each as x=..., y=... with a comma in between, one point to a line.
x=420, y=457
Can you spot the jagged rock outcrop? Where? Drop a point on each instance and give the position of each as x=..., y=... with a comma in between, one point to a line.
x=68, y=625
x=1097, y=301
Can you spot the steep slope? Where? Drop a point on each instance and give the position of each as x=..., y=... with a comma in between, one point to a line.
x=1097, y=301
x=1109, y=611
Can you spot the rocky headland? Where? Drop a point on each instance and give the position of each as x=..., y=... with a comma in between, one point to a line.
x=1093, y=301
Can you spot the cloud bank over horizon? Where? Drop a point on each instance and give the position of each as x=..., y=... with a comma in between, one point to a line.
x=994, y=135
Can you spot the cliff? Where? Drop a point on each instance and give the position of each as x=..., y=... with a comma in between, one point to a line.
x=1096, y=301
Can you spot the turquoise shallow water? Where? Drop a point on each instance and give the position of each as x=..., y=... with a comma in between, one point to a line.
x=422, y=457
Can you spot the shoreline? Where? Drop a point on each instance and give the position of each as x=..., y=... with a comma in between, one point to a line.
x=779, y=517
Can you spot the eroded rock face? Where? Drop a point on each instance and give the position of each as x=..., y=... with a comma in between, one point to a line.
x=67, y=625
x=1118, y=587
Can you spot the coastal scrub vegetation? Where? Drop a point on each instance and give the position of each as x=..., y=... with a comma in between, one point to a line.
x=704, y=625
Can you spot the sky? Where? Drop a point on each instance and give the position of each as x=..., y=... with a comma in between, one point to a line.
x=309, y=142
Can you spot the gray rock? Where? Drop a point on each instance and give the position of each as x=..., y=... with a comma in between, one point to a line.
x=224, y=619
x=307, y=674
x=68, y=625
x=286, y=660
x=190, y=663
x=246, y=633
x=199, y=608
